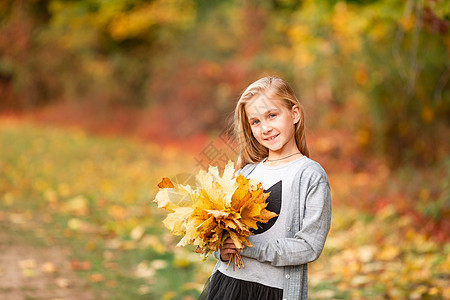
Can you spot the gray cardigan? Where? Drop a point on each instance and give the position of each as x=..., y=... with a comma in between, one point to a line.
x=310, y=224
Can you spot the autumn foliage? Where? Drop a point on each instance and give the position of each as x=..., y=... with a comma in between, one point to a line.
x=173, y=69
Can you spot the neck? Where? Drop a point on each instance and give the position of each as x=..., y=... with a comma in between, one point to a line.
x=284, y=157
x=287, y=153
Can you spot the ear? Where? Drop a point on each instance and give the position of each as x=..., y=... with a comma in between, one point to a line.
x=296, y=114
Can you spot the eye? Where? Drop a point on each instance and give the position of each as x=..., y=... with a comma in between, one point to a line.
x=272, y=115
x=254, y=122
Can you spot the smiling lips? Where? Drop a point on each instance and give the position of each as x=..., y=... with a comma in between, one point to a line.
x=271, y=138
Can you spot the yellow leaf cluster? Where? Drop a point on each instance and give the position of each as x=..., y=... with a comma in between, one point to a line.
x=138, y=21
x=216, y=208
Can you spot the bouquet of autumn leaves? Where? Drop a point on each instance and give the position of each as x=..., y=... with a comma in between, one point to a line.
x=216, y=208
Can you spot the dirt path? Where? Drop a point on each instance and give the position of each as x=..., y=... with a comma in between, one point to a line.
x=30, y=272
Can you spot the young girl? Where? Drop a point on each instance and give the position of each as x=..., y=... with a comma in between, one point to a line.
x=270, y=128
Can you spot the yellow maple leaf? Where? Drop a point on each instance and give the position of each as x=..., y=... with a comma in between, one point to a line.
x=236, y=240
x=176, y=220
x=207, y=226
x=172, y=198
x=241, y=192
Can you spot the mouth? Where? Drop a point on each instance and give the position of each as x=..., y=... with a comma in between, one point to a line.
x=271, y=138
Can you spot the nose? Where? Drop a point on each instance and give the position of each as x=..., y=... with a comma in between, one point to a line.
x=265, y=127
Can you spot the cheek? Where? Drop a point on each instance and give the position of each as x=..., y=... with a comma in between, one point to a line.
x=291, y=128
x=255, y=132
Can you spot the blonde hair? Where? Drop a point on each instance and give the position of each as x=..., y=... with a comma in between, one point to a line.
x=251, y=150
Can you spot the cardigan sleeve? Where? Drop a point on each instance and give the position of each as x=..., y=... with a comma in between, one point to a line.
x=306, y=245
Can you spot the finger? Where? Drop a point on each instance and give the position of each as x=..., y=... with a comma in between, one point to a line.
x=228, y=251
x=230, y=245
x=230, y=242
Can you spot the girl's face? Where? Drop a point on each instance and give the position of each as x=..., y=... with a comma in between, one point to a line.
x=273, y=124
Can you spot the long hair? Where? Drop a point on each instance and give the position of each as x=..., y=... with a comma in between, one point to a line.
x=251, y=150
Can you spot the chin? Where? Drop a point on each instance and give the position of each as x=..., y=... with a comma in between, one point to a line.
x=274, y=149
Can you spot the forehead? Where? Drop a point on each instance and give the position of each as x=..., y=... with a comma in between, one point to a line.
x=261, y=104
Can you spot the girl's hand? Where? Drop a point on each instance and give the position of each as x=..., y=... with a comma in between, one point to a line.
x=228, y=249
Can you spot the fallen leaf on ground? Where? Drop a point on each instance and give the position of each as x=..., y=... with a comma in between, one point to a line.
x=78, y=265
x=48, y=267
x=62, y=282
x=96, y=277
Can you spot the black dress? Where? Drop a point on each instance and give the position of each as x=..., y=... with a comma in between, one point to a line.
x=223, y=287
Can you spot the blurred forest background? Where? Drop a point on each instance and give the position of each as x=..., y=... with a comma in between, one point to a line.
x=82, y=81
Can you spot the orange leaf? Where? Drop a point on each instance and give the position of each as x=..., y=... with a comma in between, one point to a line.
x=96, y=277
x=266, y=215
x=165, y=183
x=78, y=265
